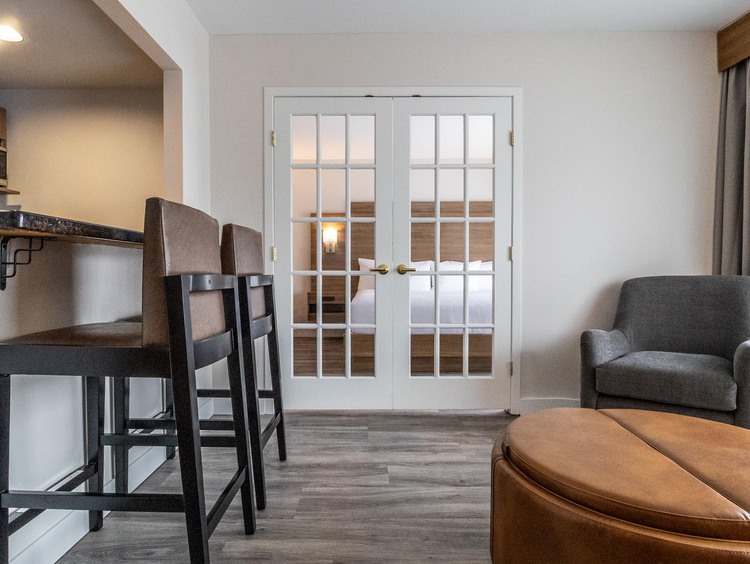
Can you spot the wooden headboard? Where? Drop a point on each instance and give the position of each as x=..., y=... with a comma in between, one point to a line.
x=422, y=240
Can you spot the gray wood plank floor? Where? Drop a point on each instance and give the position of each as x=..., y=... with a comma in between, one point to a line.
x=356, y=487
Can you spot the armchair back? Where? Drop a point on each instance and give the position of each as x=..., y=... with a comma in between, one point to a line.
x=690, y=314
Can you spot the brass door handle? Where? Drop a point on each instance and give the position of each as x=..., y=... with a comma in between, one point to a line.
x=382, y=269
x=403, y=269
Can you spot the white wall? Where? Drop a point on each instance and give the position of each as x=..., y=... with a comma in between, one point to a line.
x=619, y=155
x=72, y=153
x=172, y=36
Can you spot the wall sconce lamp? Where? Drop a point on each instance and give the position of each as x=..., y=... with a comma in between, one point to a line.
x=7, y=33
x=329, y=239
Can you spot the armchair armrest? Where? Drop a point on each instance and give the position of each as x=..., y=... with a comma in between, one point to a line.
x=742, y=377
x=598, y=347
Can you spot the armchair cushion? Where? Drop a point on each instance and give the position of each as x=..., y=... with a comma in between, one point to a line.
x=693, y=380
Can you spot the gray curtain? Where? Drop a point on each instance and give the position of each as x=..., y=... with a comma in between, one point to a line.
x=732, y=212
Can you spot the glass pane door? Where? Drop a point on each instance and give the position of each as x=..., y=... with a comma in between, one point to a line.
x=452, y=203
x=333, y=181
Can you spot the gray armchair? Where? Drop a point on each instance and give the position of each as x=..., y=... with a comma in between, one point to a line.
x=679, y=344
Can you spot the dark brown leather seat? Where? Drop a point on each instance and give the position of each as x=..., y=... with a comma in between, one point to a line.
x=190, y=320
x=620, y=486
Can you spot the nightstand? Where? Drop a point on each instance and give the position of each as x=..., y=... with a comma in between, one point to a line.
x=333, y=306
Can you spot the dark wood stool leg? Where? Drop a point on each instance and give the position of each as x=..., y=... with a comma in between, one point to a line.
x=185, y=391
x=254, y=423
x=4, y=462
x=94, y=451
x=242, y=439
x=169, y=410
x=121, y=393
x=273, y=356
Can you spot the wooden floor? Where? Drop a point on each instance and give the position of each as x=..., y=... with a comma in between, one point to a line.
x=357, y=487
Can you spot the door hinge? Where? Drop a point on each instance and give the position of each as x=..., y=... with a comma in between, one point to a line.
x=273, y=139
x=512, y=138
x=511, y=253
x=273, y=254
x=511, y=368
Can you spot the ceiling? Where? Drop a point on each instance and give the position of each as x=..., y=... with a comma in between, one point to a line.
x=70, y=44
x=73, y=44
x=229, y=17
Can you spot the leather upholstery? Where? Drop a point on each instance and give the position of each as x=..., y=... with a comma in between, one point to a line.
x=118, y=334
x=578, y=485
x=242, y=254
x=178, y=239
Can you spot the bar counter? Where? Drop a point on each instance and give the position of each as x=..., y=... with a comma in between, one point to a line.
x=37, y=228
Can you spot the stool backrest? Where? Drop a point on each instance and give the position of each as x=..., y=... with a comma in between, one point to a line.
x=178, y=239
x=241, y=255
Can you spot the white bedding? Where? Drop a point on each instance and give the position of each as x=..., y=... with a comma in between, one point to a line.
x=423, y=310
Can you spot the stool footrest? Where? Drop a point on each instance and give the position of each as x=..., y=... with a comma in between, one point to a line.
x=270, y=428
x=82, y=476
x=225, y=499
x=159, y=503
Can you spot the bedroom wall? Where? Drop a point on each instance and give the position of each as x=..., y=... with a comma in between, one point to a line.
x=619, y=156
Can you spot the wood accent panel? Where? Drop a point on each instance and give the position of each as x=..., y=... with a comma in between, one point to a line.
x=733, y=43
x=3, y=124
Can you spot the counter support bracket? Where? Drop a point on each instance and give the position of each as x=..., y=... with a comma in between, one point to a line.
x=20, y=256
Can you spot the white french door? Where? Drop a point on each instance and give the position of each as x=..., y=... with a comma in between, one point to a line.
x=392, y=223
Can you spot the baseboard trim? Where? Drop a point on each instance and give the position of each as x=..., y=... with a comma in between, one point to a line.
x=529, y=405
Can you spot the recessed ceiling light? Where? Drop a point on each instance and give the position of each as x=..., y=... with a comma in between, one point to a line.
x=7, y=33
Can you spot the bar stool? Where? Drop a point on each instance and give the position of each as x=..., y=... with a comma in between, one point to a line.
x=190, y=321
x=242, y=256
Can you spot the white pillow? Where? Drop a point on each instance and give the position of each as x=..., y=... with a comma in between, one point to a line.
x=366, y=282
x=421, y=283
x=454, y=283
x=481, y=283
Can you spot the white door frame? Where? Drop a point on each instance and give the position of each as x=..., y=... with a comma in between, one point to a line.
x=515, y=93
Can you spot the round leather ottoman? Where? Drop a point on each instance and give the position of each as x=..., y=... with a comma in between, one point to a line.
x=620, y=485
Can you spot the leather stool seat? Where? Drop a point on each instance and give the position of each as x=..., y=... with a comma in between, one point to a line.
x=579, y=485
x=116, y=334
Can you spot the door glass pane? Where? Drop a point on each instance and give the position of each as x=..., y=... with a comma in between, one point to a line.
x=423, y=241
x=304, y=192
x=304, y=246
x=451, y=352
x=333, y=192
x=452, y=237
x=451, y=139
x=363, y=353
x=332, y=139
x=304, y=299
x=362, y=190
x=422, y=192
x=481, y=241
x=333, y=299
x=334, y=352
x=305, y=347
x=451, y=188
x=480, y=352
x=362, y=139
x=304, y=144
x=422, y=139
x=481, y=192
x=332, y=245
x=481, y=146
x=423, y=352
x=363, y=253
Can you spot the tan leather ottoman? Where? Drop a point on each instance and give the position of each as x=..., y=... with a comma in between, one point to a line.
x=620, y=485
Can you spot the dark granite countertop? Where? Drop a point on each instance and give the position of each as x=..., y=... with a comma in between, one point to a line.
x=18, y=223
